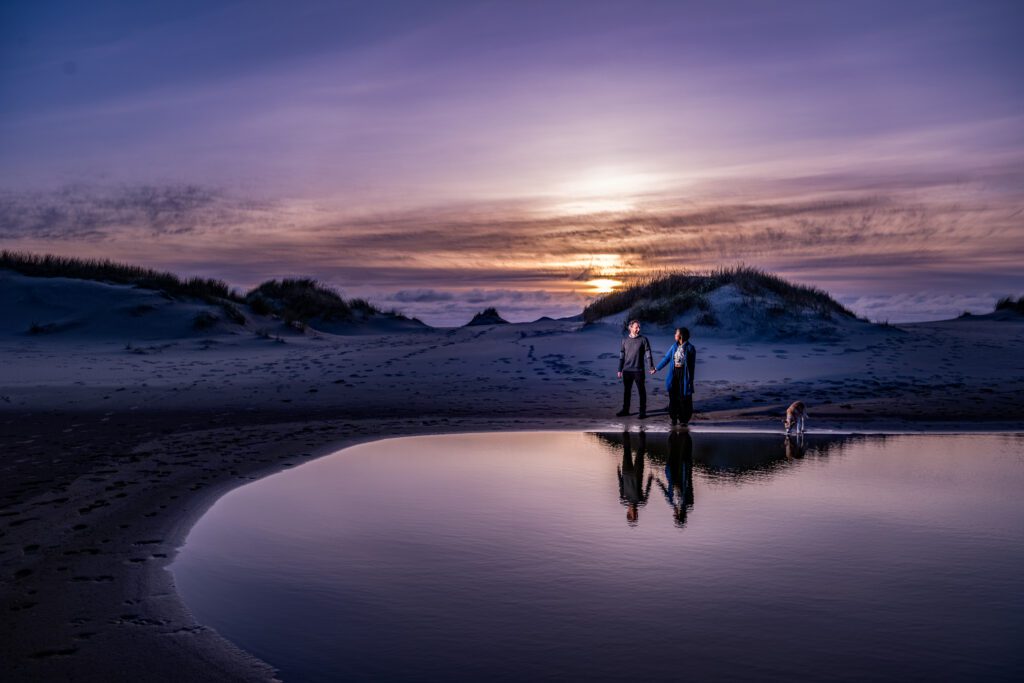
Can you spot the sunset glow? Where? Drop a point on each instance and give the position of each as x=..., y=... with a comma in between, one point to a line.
x=416, y=153
x=604, y=286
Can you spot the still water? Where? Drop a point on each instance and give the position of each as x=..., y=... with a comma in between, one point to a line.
x=625, y=556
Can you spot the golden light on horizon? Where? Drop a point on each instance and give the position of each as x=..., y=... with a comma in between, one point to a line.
x=604, y=286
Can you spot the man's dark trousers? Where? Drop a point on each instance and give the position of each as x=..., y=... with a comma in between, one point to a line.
x=628, y=378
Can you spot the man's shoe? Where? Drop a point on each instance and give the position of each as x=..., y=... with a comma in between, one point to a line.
x=675, y=421
x=622, y=413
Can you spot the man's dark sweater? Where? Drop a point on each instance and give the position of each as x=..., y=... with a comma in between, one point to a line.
x=633, y=352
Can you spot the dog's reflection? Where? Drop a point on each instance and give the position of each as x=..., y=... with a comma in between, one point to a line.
x=795, y=448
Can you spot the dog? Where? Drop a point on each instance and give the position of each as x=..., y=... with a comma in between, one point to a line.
x=795, y=416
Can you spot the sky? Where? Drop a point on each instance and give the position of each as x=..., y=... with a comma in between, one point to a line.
x=442, y=157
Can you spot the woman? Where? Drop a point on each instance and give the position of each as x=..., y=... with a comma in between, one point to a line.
x=679, y=383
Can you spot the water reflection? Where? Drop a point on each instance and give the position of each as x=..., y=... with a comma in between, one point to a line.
x=795, y=447
x=734, y=459
x=737, y=458
x=851, y=558
x=632, y=492
x=678, y=484
x=675, y=480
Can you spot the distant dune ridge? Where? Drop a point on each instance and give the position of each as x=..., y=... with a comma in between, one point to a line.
x=114, y=299
x=123, y=300
x=1007, y=309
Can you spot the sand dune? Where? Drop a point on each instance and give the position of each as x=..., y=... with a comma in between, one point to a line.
x=120, y=348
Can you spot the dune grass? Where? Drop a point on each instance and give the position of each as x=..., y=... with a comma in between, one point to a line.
x=105, y=270
x=662, y=297
x=302, y=299
x=294, y=300
x=1008, y=303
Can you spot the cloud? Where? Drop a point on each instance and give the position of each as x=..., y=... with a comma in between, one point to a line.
x=930, y=232
x=483, y=296
x=456, y=307
x=420, y=296
x=919, y=306
x=118, y=213
x=921, y=227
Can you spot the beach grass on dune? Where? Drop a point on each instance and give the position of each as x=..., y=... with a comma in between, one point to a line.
x=105, y=270
x=302, y=299
x=661, y=297
x=292, y=299
x=1008, y=303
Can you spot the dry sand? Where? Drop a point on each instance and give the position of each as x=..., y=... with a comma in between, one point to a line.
x=116, y=441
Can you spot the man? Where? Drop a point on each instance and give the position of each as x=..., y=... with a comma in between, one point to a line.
x=634, y=351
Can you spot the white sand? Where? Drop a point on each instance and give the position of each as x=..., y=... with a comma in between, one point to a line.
x=106, y=356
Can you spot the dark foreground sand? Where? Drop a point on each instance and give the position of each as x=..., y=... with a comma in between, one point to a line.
x=94, y=506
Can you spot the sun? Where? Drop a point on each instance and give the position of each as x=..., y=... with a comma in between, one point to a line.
x=604, y=286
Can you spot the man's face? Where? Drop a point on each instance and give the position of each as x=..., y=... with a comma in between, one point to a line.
x=634, y=329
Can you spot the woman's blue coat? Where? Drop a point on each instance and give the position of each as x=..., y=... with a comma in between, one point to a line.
x=688, y=366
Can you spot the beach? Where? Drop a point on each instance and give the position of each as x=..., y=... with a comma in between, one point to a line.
x=116, y=448
x=123, y=423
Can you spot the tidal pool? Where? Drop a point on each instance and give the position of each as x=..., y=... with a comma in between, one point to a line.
x=625, y=556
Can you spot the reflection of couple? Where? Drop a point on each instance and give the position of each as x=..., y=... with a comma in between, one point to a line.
x=681, y=358
x=678, y=487
x=632, y=492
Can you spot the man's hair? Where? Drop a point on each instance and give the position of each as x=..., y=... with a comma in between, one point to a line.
x=630, y=323
x=684, y=333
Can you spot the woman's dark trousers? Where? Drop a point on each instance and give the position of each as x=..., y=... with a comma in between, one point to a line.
x=679, y=407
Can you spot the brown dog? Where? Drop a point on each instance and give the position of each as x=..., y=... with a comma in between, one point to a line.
x=795, y=415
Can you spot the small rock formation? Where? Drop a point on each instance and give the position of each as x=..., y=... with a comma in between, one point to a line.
x=488, y=316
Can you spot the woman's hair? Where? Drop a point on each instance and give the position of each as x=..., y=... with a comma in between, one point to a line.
x=684, y=333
